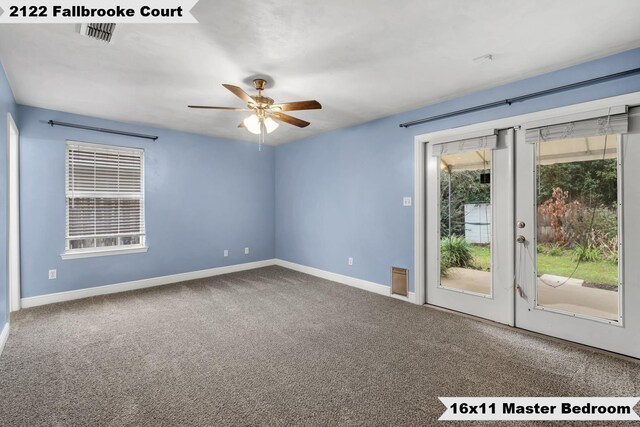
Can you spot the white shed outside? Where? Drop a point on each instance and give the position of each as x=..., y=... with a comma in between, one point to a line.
x=477, y=223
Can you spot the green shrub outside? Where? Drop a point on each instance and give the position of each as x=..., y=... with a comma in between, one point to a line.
x=586, y=254
x=455, y=251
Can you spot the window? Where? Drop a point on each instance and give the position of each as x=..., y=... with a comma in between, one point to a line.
x=104, y=200
x=578, y=221
x=577, y=235
x=465, y=221
x=465, y=213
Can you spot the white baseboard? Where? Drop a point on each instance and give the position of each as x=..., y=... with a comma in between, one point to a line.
x=140, y=284
x=3, y=336
x=181, y=277
x=346, y=280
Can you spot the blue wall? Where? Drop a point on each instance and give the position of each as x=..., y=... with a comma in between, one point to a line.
x=203, y=195
x=7, y=105
x=339, y=194
x=314, y=202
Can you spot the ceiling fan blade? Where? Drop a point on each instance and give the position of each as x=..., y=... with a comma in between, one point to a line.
x=208, y=107
x=240, y=93
x=298, y=105
x=289, y=119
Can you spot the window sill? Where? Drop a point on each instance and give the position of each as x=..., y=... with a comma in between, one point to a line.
x=103, y=252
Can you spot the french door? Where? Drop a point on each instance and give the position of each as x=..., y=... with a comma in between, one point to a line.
x=469, y=190
x=538, y=227
x=577, y=203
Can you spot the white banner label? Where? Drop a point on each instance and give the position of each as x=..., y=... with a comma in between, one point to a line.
x=96, y=11
x=540, y=408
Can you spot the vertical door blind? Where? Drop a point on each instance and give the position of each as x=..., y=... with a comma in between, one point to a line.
x=104, y=197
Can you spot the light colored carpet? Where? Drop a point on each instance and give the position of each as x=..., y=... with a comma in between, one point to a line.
x=275, y=347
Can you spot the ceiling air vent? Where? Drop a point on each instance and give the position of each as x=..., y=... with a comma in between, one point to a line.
x=102, y=32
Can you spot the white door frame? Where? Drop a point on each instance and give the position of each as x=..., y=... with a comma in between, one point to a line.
x=13, y=213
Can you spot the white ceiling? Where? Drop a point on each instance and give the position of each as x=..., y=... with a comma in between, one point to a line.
x=362, y=59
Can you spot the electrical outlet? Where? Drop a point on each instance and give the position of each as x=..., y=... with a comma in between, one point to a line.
x=226, y=252
x=350, y=261
x=53, y=274
x=246, y=251
x=406, y=201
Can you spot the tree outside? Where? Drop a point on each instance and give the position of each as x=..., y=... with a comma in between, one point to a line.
x=577, y=225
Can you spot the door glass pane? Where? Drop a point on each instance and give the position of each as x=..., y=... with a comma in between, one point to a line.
x=577, y=226
x=465, y=221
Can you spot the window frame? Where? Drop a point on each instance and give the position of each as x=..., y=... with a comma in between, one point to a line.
x=106, y=250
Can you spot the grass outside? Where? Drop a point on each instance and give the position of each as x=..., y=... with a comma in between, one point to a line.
x=598, y=272
x=481, y=257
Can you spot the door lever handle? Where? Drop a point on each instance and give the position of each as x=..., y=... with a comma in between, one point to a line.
x=520, y=291
x=520, y=239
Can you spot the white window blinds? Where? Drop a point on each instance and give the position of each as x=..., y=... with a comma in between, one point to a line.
x=603, y=125
x=104, y=197
x=483, y=141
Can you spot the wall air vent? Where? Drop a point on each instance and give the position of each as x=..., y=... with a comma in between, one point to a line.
x=102, y=32
x=399, y=281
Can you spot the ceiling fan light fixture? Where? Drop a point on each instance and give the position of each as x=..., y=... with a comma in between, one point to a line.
x=252, y=123
x=265, y=115
x=270, y=124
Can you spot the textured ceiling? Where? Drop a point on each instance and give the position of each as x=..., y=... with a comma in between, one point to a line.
x=361, y=59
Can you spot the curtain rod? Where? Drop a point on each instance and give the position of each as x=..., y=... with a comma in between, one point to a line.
x=521, y=98
x=117, y=132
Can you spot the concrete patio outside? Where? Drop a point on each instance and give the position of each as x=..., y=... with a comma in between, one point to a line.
x=569, y=297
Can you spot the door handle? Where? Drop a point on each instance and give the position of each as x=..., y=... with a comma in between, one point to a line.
x=520, y=291
x=522, y=240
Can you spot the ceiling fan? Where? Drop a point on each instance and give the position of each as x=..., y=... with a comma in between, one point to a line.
x=266, y=114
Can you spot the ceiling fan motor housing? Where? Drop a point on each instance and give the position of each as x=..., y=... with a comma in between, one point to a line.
x=263, y=101
x=260, y=84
